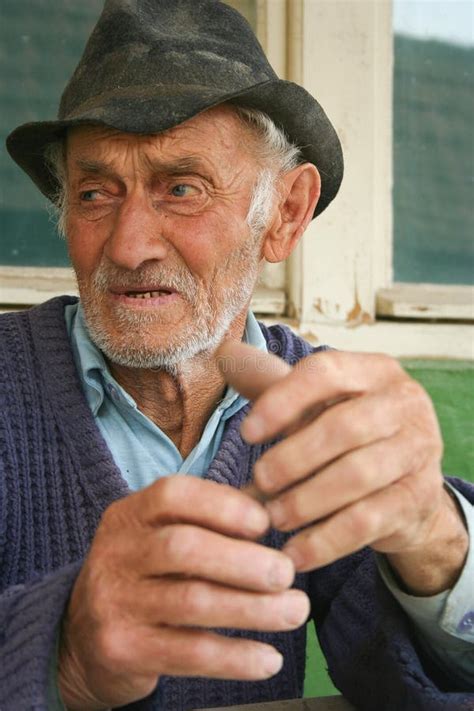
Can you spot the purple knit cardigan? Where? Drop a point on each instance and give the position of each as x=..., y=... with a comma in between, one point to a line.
x=56, y=478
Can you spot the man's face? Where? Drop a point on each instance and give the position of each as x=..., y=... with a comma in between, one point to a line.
x=158, y=236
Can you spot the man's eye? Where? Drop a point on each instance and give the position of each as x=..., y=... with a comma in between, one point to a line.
x=183, y=190
x=89, y=195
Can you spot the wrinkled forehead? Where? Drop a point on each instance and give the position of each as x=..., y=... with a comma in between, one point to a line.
x=217, y=131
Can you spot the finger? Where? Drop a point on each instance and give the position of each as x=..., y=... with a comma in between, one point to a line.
x=200, y=553
x=187, y=652
x=358, y=474
x=320, y=378
x=388, y=520
x=200, y=603
x=254, y=492
x=340, y=429
x=197, y=501
x=249, y=370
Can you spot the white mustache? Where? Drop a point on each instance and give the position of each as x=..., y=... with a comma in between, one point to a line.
x=178, y=279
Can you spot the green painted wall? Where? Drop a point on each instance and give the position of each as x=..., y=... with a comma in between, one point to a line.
x=451, y=387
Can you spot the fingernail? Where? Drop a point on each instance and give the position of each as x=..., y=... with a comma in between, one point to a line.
x=253, y=428
x=277, y=513
x=272, y=662
x=297, y=610
x=281, y=575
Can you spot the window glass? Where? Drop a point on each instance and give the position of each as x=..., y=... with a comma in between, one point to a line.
x=40, y=44
x=433, y=141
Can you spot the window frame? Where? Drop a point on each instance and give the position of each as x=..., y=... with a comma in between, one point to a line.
x=341, y=284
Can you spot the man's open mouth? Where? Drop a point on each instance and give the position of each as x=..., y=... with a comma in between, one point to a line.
x=147, y=294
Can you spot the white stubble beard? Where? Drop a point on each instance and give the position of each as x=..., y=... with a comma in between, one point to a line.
x=207, y=326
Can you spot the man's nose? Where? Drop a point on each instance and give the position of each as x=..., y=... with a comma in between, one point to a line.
x=136, y=234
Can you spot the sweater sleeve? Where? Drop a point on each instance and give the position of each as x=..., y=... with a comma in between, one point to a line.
x=371, y=646
x=444, y=622
x=29, y=619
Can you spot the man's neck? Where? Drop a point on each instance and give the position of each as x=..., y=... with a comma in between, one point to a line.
x=179, y=404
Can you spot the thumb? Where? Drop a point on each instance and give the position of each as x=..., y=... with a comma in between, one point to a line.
x=249, y=370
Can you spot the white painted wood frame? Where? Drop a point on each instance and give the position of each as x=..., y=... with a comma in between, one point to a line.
x=340, y=279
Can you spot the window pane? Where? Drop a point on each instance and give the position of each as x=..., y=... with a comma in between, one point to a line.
x=41, y=41
x=433, y=141
x=40, y=44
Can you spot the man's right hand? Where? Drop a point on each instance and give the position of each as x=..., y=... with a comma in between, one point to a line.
x=166, y=562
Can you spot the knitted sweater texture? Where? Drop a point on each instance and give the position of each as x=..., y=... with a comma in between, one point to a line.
x=57, y=477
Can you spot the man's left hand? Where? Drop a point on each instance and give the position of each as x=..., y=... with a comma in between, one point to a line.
x=359, y=464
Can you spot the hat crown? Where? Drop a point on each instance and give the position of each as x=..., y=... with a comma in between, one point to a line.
x=150, y=65
x=149, y=45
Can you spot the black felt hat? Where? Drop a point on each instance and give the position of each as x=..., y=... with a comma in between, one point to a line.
x=150, y=65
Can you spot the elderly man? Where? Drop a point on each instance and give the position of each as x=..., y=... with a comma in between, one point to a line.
x=180, y=164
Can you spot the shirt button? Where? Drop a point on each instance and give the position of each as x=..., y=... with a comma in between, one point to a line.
x=467, y=623
x=113, y=392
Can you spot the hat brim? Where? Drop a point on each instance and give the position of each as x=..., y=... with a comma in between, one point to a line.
x=290, y=106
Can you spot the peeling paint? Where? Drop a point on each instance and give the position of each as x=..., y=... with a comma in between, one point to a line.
x=318, y=306
x=357, y=316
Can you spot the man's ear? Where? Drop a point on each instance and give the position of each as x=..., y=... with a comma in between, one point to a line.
x=299, y=191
